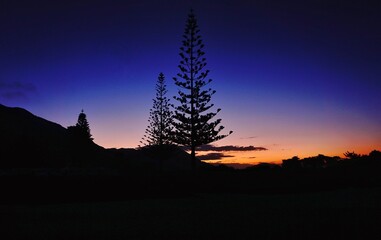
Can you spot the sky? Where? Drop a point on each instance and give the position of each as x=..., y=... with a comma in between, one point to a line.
x=293, y=78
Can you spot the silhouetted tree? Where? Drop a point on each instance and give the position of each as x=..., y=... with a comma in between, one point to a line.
x=83, y=126
x=375, y=155
x=351, y=155
x=292, y=163
x=160, y=127
x=193, y=126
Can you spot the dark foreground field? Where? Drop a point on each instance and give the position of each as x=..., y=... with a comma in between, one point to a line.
x=350, y=213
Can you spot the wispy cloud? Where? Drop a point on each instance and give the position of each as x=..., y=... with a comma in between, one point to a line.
x=227, y=148
x=17, y=86
x=13, y=95
x=213, y=156
x=15, y=89
x=252, y=137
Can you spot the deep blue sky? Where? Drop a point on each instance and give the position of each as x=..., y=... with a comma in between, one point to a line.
x=296, y=77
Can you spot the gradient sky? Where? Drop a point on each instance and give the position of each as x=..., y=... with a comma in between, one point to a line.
x=295, y=77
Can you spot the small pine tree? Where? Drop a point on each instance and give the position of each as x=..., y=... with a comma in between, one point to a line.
x=193, y=119
x=83, y=126
x=160, y=127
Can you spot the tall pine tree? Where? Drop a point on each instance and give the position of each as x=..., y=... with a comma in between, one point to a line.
x=83, y=126
x=193, y=116
x=160, y=127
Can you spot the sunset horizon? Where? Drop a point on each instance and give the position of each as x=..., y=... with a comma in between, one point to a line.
x=191, y=119
x=287, y=77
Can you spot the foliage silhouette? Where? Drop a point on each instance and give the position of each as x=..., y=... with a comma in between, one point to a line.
x=83, y=124
x=351, y=155
x=193, y=126
x=82, y=128
x=160, y=127
x=375, y=155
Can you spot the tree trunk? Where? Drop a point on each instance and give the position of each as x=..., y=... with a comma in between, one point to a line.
x=193, y=158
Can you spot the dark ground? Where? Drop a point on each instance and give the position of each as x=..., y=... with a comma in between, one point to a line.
x=221, y=205
x=340, y=214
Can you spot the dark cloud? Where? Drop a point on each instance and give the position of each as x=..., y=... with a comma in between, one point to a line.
x=252, y=137
x=213, y=156
x=16, y=90
x=17, y=86
x=227, y=148
x=13, y=95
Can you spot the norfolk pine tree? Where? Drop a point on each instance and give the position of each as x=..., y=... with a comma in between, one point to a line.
x=80, y=141
x=193, y=125
x=83, y=126
x=160, y=127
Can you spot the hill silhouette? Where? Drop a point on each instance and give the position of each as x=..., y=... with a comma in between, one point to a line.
x=29, y=142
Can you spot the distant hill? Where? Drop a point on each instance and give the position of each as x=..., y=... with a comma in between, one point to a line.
x=29, y=142
x=167, y=158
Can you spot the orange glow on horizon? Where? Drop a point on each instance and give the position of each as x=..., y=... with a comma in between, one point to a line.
x=276, y=156
x=281, y=142
x=275, y=153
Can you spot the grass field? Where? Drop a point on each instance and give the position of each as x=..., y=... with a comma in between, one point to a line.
x=341, y=214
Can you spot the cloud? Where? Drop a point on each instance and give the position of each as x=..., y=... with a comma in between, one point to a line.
x=15, y=89
x=227, y=148
x=252, y=137
x=17, y=86
x=13, y=95
x=213, y=156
